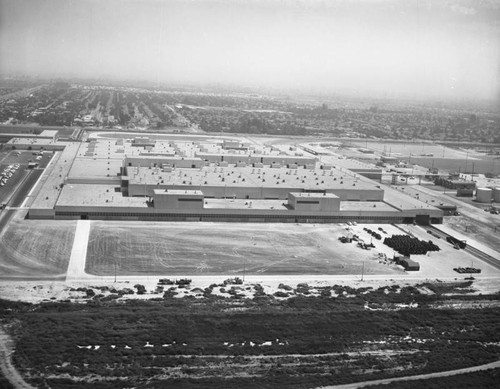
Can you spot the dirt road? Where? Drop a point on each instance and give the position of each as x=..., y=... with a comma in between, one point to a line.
x=493, y=365
x=6, y=366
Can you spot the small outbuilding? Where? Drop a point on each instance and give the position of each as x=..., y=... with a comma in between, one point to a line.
x=409, y=264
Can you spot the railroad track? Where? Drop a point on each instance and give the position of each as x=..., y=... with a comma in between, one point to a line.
x=495, y=262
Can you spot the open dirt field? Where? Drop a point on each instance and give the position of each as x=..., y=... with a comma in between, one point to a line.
x=145, y=248
x=218, y=248
x=160, y=136
x=36, y=248
x=415, y=149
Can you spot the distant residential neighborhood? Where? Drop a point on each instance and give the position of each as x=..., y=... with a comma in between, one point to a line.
x=110, y=106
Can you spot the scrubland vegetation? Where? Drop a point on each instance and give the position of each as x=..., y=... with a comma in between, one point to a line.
x=335, y=335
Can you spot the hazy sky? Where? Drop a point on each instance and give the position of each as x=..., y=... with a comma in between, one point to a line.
x=444, y=48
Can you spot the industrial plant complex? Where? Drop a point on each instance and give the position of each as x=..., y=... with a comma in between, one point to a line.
x=144, y=178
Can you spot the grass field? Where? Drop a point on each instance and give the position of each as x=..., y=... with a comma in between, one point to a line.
x=36, y=248
x=219, y=248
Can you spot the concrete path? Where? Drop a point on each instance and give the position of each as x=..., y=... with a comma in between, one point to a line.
x=76, y=266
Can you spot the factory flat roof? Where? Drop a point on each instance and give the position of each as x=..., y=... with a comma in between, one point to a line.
x=48, y=133
x=366, y=206
x=403, y=201
x=273, y=154
x=244, y=204
x=413, y=191
x=31, y=141
x=115, y=148
x=231, y=176
x=178, y=192
x=95, y=167
x=97, y=195
x=54, y=175
x=309, y=194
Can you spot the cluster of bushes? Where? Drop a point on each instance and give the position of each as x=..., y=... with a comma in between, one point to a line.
x=406, y=245
x=91, y=293
x=48, y=338
x=233, y=281
x=168, y=281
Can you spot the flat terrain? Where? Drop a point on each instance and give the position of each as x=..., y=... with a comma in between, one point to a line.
x=35, y=248
x=159, y=136
x=41, y=249
x=147, y=248
x=223, y=248
x=411, y=148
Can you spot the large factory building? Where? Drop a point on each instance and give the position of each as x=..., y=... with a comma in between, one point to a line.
x=149, y=179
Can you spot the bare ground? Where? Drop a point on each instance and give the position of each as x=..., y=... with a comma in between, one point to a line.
x=35, y=248
x=224, y=248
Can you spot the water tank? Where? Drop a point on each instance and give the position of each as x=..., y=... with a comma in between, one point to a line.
x=496, y=195
x=484, y=195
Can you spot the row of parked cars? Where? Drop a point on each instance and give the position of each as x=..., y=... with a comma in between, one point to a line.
x=7, y=173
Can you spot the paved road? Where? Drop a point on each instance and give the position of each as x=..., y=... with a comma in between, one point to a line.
x=18, y=198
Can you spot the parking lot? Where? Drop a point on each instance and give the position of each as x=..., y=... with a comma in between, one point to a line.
x=15, y=169
x=23, y=158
